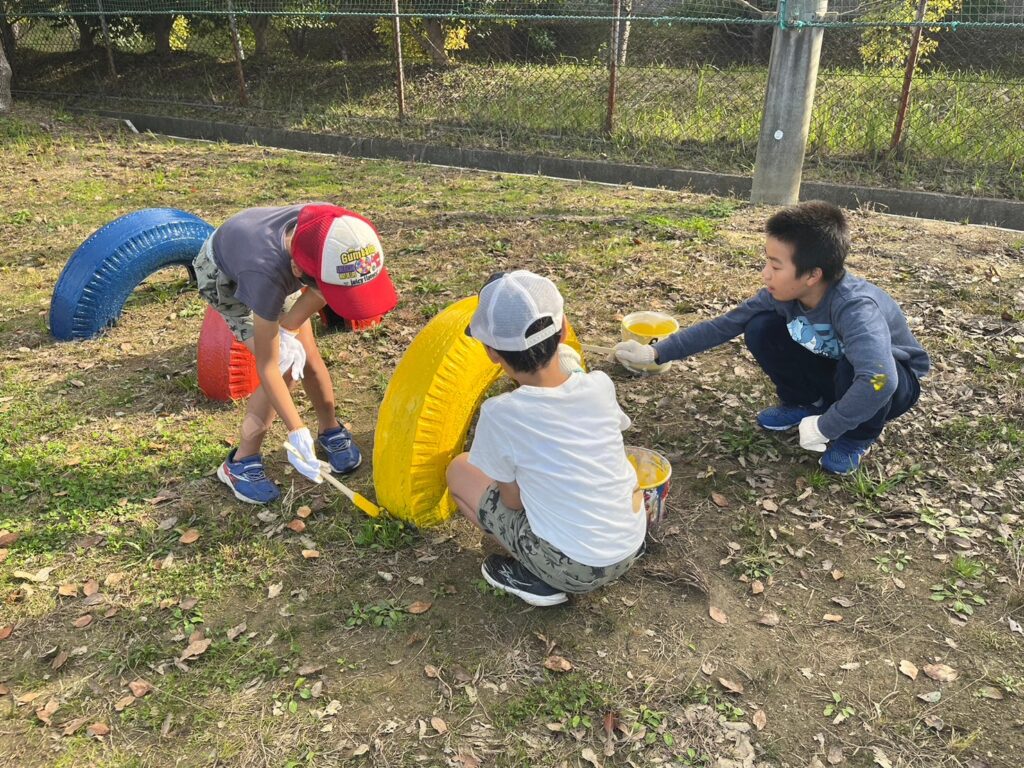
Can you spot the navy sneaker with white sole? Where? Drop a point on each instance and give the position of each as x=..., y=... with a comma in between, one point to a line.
x=509, y=575
x=342, y=453
x=781, y=417
x=246, y=480
x=843, y=455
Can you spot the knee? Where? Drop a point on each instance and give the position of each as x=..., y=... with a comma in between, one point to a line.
x=762, y=330
x=456, y=470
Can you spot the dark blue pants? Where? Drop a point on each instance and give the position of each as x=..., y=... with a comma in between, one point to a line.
x=802, y=377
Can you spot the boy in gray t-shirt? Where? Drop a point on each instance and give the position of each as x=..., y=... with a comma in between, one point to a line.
x=838, y=349
x=251, y=270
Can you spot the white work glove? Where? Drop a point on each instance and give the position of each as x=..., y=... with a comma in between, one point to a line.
x=569, y=360
x=811, y=438
x=306, y=461
x=292, y=355
x=635, y=354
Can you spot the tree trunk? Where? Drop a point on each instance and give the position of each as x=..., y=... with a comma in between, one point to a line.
x=8, y=39
x=435, y=43
x=162, y=34
x=86, y=34
x=5, y=81
x=260, y=30
x=626, y=9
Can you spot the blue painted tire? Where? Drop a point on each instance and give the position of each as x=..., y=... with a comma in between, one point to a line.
x=106, y=268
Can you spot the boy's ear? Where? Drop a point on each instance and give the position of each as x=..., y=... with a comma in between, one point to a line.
x=565, y=330
x=493, y=356
x=814, y=276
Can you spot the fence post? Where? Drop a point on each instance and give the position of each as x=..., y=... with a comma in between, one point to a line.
x=398, y=60
x=613, y=69
x=789, y=98
x=908, y=77
x=106, y=39
x=236, y=43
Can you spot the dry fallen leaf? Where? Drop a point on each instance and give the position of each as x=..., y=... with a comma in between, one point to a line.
x=439, y=725
x=769, y=619
x=731, y=685
x=7, y=538
x=988, y=692
x=296, y=525
x=68, y=590
x=5, y=631
x=38, y=577
x=931, y=697
x=908, y=669
x=59, y=661
x=756, y=587
x=311, y=554
x=73, y=725
x=719, y=500
x=113, y=579
x=557, y=663
x=418, y=607
x=236, y=631
x=834, y=617
x=274, y=590
x=140, y=687
x=98, y=729
x=940, y=672
x=124, y=701
x=45, y=713
x=717, y=614
x=467, y=760
x=760, y=719
x=195, y=649
x=591, y=757
x=835, y=755
x=430, y=671
x=189, y=537
x=82, y=621
x=91, y=587
x=303, y=512
x=837, y=574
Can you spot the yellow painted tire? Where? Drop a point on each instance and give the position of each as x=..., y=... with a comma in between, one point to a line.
x=429, y=404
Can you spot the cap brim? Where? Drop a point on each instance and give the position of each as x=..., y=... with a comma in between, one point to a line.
x=362, y=302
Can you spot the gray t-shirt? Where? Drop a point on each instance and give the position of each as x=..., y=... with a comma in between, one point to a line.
x=249, y=249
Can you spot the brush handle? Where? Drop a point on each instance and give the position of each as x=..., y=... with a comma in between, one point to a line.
x=325, y=474
x=597, y=350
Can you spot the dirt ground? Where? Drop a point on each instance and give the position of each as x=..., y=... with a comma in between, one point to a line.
x=782, y=617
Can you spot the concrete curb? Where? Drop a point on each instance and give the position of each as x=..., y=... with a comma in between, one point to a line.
x=928, y=205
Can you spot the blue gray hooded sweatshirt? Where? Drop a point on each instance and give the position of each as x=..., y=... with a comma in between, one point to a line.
x=855, y=319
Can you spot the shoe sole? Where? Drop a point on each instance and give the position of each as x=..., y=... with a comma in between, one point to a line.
x=526, y=597
x=778, y=429
x=223, y=477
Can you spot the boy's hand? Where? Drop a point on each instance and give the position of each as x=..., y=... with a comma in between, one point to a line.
x=811, y=438
x=569, y=360
x=292, y=355
x=633, y=353
x=305, y=461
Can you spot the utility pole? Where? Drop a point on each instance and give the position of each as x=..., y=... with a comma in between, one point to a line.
x=789, y=98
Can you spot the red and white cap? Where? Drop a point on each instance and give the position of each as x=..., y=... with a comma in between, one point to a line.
x=341, y=250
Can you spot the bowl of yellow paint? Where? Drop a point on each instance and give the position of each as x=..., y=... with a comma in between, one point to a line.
x=654, y=476
x=648, y=327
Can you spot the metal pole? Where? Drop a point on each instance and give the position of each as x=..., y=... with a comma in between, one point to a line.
x=789, y=98
x=236, y=43
x=106, y=40
x=613, y=69
x=397, y=22
x=908, y=77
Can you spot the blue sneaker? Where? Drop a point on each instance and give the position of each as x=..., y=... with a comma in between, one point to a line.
x=781, y=417
x=246, y=480
x=342, y=453
x=843, y=455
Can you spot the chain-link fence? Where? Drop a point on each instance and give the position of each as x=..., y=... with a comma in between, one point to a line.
x=677, y=83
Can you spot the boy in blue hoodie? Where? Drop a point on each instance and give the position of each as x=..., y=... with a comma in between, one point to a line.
x=838, y=349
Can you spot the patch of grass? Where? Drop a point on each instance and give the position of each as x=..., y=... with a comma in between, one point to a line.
x=385, y=534
x=384, y=613
x=569, y=698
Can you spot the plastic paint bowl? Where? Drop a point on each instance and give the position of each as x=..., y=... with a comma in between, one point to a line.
x=647, y=327
x=654, y=476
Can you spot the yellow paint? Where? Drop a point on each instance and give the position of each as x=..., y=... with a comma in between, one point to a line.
x=658, y=330
x=652, y=469
x=430, y=401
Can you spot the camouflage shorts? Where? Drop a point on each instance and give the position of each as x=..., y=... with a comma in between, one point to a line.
x=219, y=291
x=512, y=529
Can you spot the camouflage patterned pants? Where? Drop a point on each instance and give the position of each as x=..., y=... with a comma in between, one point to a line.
x=219, y=291
x=512, y=529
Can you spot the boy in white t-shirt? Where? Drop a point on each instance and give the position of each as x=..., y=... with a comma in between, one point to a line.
x=547, y=474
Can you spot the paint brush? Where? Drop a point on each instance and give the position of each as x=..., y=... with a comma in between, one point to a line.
x=597, y=350
x=358, y=499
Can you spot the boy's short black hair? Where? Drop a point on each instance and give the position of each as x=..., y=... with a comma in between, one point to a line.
x=819, y=235
x=536, y=357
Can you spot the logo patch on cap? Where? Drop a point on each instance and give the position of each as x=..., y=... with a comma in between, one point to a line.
x=352, y=254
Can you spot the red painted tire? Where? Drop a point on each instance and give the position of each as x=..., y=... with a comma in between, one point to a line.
x=227, y=369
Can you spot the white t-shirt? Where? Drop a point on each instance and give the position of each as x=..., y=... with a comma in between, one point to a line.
x=563, y=447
